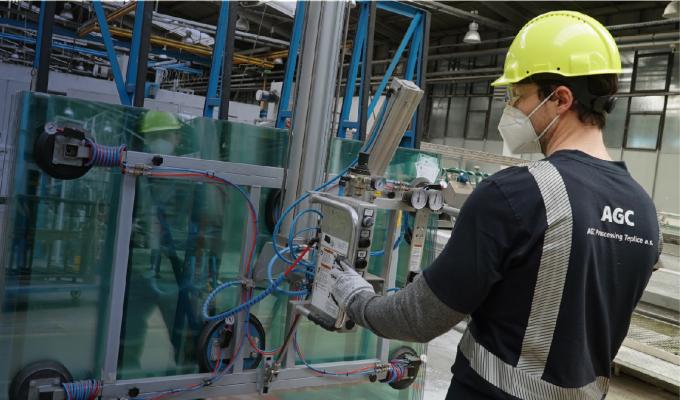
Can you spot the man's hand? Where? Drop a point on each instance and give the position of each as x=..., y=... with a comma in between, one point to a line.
x=347, y=284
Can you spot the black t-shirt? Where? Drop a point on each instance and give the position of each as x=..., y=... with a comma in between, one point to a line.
x=588, y=234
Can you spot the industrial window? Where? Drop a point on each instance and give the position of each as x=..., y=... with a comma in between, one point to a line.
x=455, y=126
x=670, y=142
x=495, y=113
x=645, y=119
x=616, y=124
x=651, y=71
x=475, y=127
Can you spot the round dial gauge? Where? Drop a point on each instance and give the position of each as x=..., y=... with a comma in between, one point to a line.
x=417, y=198
x=435, y=200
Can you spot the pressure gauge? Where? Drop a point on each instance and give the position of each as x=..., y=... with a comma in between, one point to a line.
x=416, y=198
x=435, y=200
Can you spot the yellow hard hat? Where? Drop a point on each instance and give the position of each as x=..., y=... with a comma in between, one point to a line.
x=565, y=43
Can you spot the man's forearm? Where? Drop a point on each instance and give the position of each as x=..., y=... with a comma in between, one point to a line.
x=412, y=314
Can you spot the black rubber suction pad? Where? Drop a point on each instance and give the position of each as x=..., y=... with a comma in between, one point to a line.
x=217, y=336
x=43, y=151
x=47, y=369
x=411, y=357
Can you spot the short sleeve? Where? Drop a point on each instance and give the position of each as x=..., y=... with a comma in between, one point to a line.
x=472, y=260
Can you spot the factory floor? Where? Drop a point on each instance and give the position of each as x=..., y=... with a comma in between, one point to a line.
x=442, y=351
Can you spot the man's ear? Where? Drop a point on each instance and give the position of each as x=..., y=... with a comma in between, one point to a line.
x=564, y=97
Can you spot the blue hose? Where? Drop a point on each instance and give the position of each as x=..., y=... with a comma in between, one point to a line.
x=270, y=266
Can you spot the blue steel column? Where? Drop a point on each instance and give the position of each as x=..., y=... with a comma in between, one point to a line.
x=350, y=83
x=284, y=102
x=111, y=51
x=421, y=70
x=227, y=61
x=44, y=45
x=140, y=37
x=366, y=69
x=211, y=99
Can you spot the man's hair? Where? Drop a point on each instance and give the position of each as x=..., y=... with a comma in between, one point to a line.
x=593, y=94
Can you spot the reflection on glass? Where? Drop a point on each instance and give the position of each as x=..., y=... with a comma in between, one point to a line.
x=186, y=238
x=643, y=131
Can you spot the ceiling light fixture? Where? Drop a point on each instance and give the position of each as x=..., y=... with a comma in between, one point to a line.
x=66, y=12
x=671, y=11
x=472, y=35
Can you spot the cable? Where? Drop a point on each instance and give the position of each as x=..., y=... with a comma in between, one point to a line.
x=291, y=232
x=270, y=266
x=104, y=156
x=82, y=390
x=252, y=301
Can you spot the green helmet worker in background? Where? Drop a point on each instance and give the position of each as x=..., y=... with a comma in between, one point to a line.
x=160, y=131
x=547, y=260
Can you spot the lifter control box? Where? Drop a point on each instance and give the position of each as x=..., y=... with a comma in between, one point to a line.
x=345, y=235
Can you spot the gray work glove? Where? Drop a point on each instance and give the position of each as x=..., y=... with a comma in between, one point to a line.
x=347, y=284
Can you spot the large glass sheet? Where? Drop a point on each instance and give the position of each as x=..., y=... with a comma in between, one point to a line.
x=187, y=237
x=56, y=258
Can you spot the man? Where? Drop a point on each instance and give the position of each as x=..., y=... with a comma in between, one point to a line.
x=548, y=260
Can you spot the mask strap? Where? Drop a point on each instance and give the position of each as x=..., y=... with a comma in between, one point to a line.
x=541, y=103
x=547, y=127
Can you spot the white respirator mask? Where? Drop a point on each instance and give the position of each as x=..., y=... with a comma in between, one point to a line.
x=518, y=132
x=161, y=146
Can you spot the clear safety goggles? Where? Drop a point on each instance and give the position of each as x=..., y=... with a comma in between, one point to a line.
x=511, y=97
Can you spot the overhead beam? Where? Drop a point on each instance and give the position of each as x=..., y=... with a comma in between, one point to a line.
x=191, y=48
x=457, y=12
x=258, y=18
x=503, y=10
x=92, y=24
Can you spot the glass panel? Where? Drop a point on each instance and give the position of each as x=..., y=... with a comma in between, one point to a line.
x=476, y=124
x=627, y=60
x=479, y=103
x=406, y=164
x=647, y=103
x=437, y=125
x=616, y=124
x=187, y=237
x=675, y=76
x=481, y=87
x=670, y=142
x=457, y=111
x=651, y=73
x=56, y=257
x=497, y=107
x=643, y=131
